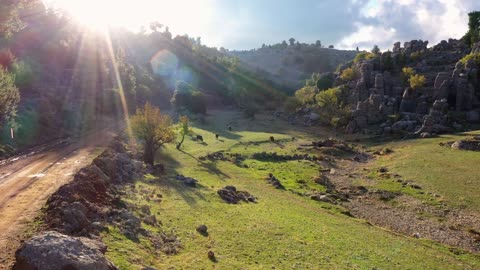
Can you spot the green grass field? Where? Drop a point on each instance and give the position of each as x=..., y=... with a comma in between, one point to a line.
x=453, y=174
x=283, y=230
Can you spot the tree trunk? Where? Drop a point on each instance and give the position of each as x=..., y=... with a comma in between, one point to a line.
x=149, y=154
x=181, y=142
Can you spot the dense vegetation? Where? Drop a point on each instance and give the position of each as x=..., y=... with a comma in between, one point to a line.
x=68, y=78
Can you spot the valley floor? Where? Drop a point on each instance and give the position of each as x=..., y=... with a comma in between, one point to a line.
x=286, y=229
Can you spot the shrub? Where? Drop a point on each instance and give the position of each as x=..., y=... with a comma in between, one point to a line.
x=475, y=57
x=306, y=95
x=291, y=104
x=186, y=97
x=325, y=82
x=348, y=74
x=416, y=56
x=417, y=81
x=407, y=73
x=9, y=96
x=364, y=56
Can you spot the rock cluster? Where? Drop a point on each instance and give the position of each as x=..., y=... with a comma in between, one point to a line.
x=76, y=206
x=275, y=182
x=231, y=195
x=234, y=158
x=56, y=251
x=264, y=156
x=472, y=144
x=191, y=182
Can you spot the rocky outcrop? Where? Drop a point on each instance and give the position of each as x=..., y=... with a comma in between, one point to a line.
x=56, y=251
x=76, y=206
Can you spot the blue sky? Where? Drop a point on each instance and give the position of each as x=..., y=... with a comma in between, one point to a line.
x=247, y=24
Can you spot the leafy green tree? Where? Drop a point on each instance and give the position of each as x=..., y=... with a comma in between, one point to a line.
x=375, y=49
x=473, y=35
x=292, y=41
x=325, y=82
x=9, y=97
x=184, y=129
x=153, y=129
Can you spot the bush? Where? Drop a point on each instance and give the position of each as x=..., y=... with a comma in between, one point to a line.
x=186, y=97
x=475, y=57
x=9, y=96
x=407, y=73
x=325, y=82
x=291, y=104
x=364, y=56
x=306, y=95
x=417, y=81
x=348, y=74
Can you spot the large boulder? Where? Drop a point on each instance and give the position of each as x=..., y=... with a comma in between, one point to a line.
x=55, y=251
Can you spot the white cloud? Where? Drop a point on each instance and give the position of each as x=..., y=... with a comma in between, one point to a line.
x=388, y=21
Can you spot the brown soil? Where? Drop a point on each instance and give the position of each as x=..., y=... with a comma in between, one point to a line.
x=27, y=182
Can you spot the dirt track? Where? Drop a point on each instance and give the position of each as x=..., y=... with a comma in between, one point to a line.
x=27, y=182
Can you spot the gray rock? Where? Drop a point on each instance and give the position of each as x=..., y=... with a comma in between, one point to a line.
x=55, y=251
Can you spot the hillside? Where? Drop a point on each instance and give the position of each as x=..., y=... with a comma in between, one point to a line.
x=292, y=65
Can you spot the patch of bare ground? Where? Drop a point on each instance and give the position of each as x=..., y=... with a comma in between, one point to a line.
x=398, y=211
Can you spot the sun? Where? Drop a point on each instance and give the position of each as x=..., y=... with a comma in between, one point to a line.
x=97, y=14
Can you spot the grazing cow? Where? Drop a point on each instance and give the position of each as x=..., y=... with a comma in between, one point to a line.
x=199, y=138
x=272, y=139
x=217, y=136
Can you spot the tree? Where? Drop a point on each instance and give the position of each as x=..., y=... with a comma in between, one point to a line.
x=318, y=43
x=473, y=34
x=292, y=41
x=358, y=49
x=331, y=47
x=284, y=44
x=184, y=129
x=9, y=97
x=153, y=129
x=375, y=49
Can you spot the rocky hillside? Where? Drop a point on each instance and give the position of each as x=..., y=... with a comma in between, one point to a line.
x=383, y=98
x=290, y=65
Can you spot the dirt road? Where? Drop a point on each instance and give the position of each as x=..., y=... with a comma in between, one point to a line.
x=26, y=182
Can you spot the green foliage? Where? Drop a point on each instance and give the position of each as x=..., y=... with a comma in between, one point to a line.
x=306, y=95
x=375, y=49
x=24, y=74
x=312, y=81
x=475, y=57
x=364, y=56
x=292, y=104
x=184, y=127
x=407, y=73
x=387, y=61
x=416, y=81
x=9, y=97
x=348, y=74
x=417, y=56
x=330, y=106
x=153, y=129
x=473, y=35
x=325, y=82
x=186, y=97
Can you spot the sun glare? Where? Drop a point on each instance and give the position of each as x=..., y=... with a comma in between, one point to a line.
x=132, y=14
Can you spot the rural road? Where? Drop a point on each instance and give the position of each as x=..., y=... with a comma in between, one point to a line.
x=27, y=181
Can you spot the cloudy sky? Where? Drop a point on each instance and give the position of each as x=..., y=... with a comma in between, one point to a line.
x=246, y=24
